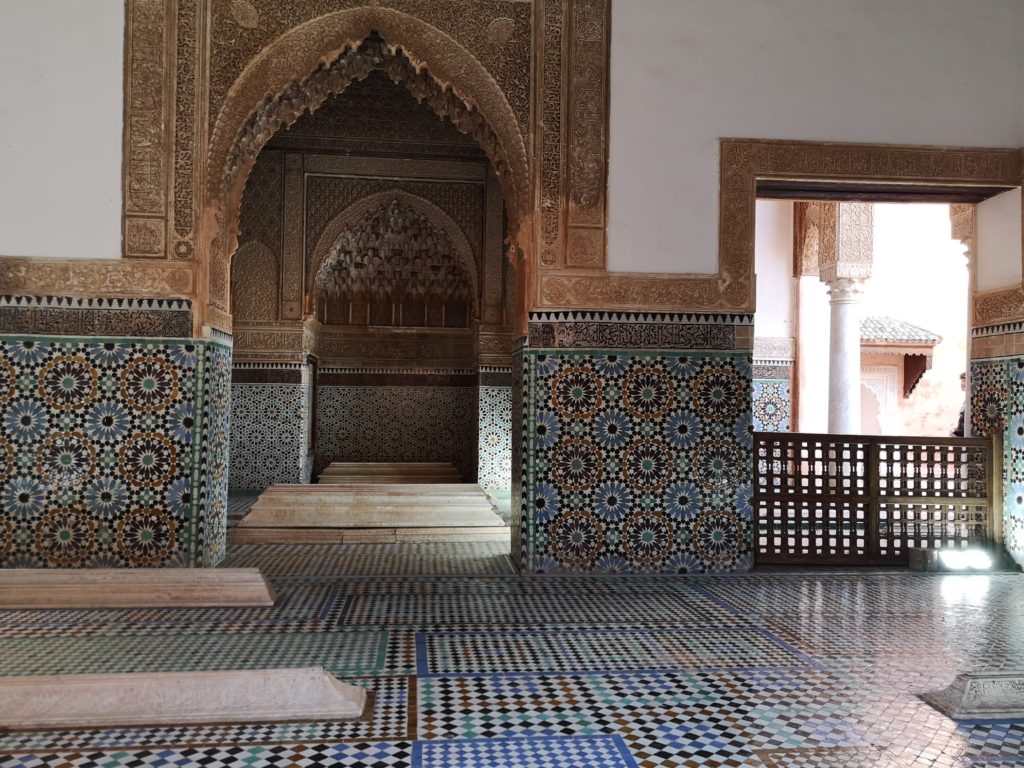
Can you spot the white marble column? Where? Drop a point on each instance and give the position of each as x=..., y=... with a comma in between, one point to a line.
x=844, y=356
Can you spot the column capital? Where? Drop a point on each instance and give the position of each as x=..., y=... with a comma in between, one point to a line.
x=849, y=236
x=845, y=289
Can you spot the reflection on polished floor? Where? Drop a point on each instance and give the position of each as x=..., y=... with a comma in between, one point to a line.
x=471, y=665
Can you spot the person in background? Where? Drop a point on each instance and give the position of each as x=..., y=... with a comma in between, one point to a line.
x=959, y=431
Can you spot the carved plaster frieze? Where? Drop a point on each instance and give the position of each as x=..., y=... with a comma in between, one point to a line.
x=398, y=167
x=631, y=291
x=572, y=130
x=586, y=88
x=119, y=317
x=107, y=277
x=146, y=108
x=995, y=307
x=774, y=348
x=450, y=348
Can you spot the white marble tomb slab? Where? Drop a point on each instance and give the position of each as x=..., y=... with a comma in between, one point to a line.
x=177, y=698
x=981, y=696
x=40, y=589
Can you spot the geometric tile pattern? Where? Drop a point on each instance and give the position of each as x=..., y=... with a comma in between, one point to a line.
x=637, y=462
x=772, y=405
x=211, y=455
x=390, y=424
x=285, y=756
x=267, y=439
x=997, y=406
x=584, y=650
x=334, y=560
x=495, y=442
x=552, y=752
x=111, y=452
x=764, y=669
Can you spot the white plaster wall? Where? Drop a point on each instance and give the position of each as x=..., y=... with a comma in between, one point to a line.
x=773, y=263
x=998, y=243
x=685, y=73
x=61, y=64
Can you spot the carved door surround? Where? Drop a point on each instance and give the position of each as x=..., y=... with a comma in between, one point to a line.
x=359, y=41
x=744, y=161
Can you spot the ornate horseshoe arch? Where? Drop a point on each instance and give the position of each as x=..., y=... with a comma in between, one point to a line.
x=320, y=58
x=352, y=216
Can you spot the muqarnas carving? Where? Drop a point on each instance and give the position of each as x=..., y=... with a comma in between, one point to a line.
x=394, y=269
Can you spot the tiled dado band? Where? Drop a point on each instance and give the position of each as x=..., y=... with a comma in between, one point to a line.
x=636, y=444
x=997, y=407
x=271, y=406
x=114, y=435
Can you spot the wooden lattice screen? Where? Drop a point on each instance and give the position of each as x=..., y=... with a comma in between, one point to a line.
x=868, y=500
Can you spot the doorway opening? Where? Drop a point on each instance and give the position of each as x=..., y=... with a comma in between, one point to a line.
x=373, y=309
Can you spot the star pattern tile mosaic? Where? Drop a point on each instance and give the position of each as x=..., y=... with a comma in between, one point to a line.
x=266, y=449
x=113, y=452
x=387, y=423
x=480, y=667
x=772, y=405
x=637, y=462
x=997, y=407
x=495, y=440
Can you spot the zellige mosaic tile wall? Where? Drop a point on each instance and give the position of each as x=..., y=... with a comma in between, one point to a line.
x=997, y=407
x=398, y=423
x=113, y=451
x=773, y=399
x=495, y=438
x=637, y=460
x=269, y=435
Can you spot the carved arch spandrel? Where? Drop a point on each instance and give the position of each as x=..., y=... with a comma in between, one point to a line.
x=352, y=216
x=279, y=79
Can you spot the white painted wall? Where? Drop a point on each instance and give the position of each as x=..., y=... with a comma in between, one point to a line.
x=998, y=242
x=61, y=64
x=685, y=73
x=773, y=263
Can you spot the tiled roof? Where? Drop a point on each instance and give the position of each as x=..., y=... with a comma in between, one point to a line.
x=888, y=329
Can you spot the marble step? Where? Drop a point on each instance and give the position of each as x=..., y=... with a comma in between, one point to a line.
x=32, y=588
x=410, y=535
x=436, y=489
x=370, y=517
x=304, y=694
x=384, y=480
x=329, y=502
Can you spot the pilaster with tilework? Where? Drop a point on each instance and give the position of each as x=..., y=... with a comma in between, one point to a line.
x=637, y=444
x=113, y=434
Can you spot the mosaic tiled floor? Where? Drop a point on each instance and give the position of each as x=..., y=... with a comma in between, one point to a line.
x=474, y=666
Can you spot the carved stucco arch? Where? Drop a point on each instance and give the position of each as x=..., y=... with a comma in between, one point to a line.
x=278, y=78
x=353, y=216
